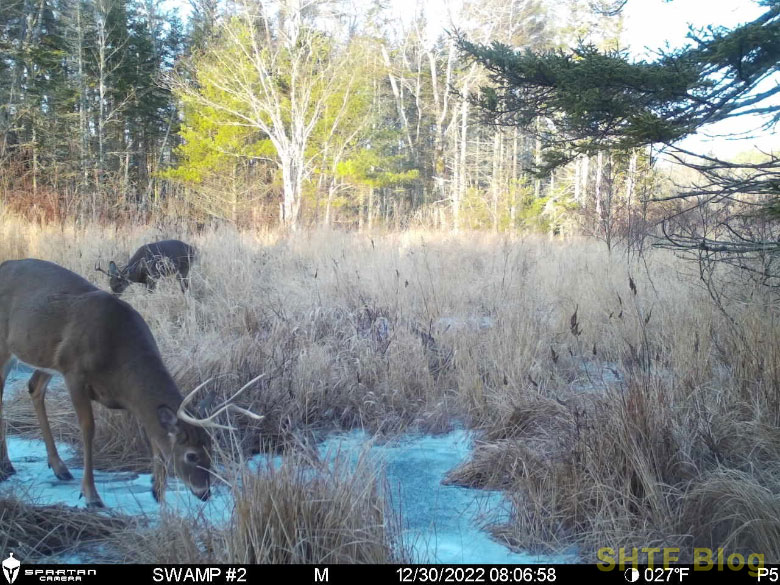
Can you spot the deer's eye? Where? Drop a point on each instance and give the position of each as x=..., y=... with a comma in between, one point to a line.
x=192, y=458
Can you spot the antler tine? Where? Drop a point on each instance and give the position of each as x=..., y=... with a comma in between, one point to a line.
x=244, y=411
x=99, y=269
x=244, y=387
x=180, y=413
x=207, y=422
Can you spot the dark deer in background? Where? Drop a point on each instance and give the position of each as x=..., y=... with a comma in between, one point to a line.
x=150, y=262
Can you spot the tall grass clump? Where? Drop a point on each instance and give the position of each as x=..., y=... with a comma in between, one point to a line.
x=657, y=427
x=299, y=511
x=328, y=514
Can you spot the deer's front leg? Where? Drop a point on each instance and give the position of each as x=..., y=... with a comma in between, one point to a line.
x=6, y=469
x=83, y=405
x=159, y=475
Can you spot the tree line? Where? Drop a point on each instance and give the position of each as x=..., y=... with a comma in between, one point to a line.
x=292, y=112
x=326, y=112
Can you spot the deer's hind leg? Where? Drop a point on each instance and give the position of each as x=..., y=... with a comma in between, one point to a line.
x=37, y=386
x=6, y=468
x=184, y=282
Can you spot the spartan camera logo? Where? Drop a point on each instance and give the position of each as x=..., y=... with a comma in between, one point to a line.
x=11, y=568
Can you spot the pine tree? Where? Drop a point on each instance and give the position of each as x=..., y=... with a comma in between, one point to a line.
x=597, y=100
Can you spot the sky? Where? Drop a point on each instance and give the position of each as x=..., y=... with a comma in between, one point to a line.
x=657, y=24
x=654, y=23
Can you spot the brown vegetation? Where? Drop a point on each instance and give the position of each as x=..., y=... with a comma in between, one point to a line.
x=617, y=406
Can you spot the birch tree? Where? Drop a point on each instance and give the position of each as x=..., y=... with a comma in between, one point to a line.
x=272, y=71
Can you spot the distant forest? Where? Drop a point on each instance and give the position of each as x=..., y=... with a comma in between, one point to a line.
x=296, y=113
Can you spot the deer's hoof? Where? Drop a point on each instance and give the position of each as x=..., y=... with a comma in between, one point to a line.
x=6, y=470
x=95, y=503
x=63, y=475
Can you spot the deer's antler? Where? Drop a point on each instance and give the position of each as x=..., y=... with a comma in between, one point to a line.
x=208, y=422
x=99, y=269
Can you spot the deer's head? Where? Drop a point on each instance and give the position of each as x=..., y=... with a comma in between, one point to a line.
x=191, y=445
x=118, y=280
x=188, y=451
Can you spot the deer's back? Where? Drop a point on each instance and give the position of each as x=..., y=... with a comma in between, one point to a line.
x=176, y=250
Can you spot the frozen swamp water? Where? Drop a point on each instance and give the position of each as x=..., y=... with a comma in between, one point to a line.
x=441, y=523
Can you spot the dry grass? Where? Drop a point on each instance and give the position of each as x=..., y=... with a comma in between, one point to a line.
x=302, y=514
x=35, y=532
x=648, y=419
x=301, y=511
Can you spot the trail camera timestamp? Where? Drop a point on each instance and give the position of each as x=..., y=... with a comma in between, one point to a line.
x=476, y=575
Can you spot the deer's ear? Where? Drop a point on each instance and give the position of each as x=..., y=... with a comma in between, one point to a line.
x=112, y=269
x=168, y=420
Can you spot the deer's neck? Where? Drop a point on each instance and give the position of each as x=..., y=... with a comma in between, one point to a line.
x=157, y=389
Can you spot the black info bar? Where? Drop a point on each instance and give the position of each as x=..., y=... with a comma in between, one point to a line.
x=379, y=574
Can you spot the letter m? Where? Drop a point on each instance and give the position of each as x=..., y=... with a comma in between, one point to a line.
x=320, y=575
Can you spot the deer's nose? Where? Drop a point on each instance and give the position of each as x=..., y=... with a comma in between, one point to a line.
x=203, y=494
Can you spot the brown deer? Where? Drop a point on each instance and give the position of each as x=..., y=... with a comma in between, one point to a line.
x=150, y=262
x=57, y=322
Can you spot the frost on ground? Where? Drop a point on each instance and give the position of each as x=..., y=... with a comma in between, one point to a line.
x=441, y=523
x=596, y=377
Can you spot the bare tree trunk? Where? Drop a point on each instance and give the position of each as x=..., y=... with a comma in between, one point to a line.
x=399, y=99
x=329, y=203
x=292, y=181
x=599, y=165
x=538, y=161
x=630, y=176
x=496, y=179
x=34, y=147
x=577, y=166
x=83, y=129
x=441, y=99
x=370, y=208
x=102, y=64
x=460, y=190
x=126, y=173
x=513, y=188
x=584, y=180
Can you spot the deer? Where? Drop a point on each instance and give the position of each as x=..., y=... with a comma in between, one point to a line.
x=55, y=321
x=149, y=263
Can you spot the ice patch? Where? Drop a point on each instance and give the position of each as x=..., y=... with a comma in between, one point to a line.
x=441, y=523
x=127, y=493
